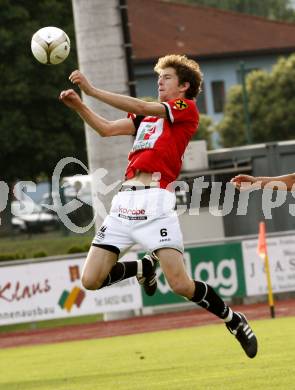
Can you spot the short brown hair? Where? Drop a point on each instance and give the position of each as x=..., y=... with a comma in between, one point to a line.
x=187, y=71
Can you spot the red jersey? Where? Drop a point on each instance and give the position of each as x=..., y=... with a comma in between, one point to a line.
x=160, y=143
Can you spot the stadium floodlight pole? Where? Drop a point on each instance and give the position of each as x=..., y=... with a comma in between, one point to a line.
x=245, y=104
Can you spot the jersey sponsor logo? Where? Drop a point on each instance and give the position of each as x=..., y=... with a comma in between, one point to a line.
x=147, y=134
x=132, y=217
x=146, y=131
x=132, y=214
x=126, y=211
x=142, y=145
x=180, y=105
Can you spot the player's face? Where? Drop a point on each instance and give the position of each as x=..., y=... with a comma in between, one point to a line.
x=168, y=85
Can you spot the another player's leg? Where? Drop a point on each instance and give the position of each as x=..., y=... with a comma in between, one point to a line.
x=203, y=294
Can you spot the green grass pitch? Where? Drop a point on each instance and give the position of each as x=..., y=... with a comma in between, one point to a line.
x=201, y=358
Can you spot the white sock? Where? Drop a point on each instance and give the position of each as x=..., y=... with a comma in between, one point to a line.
x=139, y=269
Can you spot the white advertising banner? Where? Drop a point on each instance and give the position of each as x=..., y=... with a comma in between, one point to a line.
x=47, y=290
x=281, y=254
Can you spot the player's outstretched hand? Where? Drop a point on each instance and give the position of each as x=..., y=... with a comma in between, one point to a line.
x=71, y=99
x=78, y=78
x=244, y=182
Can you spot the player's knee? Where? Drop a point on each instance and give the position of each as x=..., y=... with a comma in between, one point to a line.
x=180, y=288
x=90, y=283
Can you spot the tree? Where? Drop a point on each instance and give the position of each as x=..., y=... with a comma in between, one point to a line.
x=272, y=9
x=36, y=130
x=271, y=106
x=204, y=130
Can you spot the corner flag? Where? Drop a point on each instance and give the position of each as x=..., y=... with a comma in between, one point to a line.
x=262, y=251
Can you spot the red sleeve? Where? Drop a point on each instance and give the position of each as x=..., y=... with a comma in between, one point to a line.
x=136, y=119
x=131, y=115
x=181, y=110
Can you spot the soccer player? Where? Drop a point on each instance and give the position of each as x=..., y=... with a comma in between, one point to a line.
x=284, y=182
x=143, y=210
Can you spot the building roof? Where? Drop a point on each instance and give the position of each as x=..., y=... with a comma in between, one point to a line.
x=159, y=27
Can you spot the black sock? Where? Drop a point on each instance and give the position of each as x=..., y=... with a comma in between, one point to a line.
x=147, y=266
x=207, y=298
x=126, y=269
x=120, y=271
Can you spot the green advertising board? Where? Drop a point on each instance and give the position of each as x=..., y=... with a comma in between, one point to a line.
x=221, y=266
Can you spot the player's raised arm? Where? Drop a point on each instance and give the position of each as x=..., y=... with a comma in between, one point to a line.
x=102, y=126
x=244, y=181
x=121, y=102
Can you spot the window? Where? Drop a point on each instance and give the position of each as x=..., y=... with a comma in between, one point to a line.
x=201, y=101
x=218, y=94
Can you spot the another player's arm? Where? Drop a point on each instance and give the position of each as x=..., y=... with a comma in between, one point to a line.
x=287, y=181
x=102, y=126
x=122, y=102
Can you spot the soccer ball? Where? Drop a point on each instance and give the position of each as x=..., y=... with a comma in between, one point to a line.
x=50, y=45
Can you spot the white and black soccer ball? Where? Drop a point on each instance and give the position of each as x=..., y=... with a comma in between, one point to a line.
x=50, y=45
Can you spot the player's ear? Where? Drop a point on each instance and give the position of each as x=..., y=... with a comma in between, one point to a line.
x=185, y=86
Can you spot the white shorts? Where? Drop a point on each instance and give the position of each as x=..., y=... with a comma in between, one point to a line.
x=145, y=217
